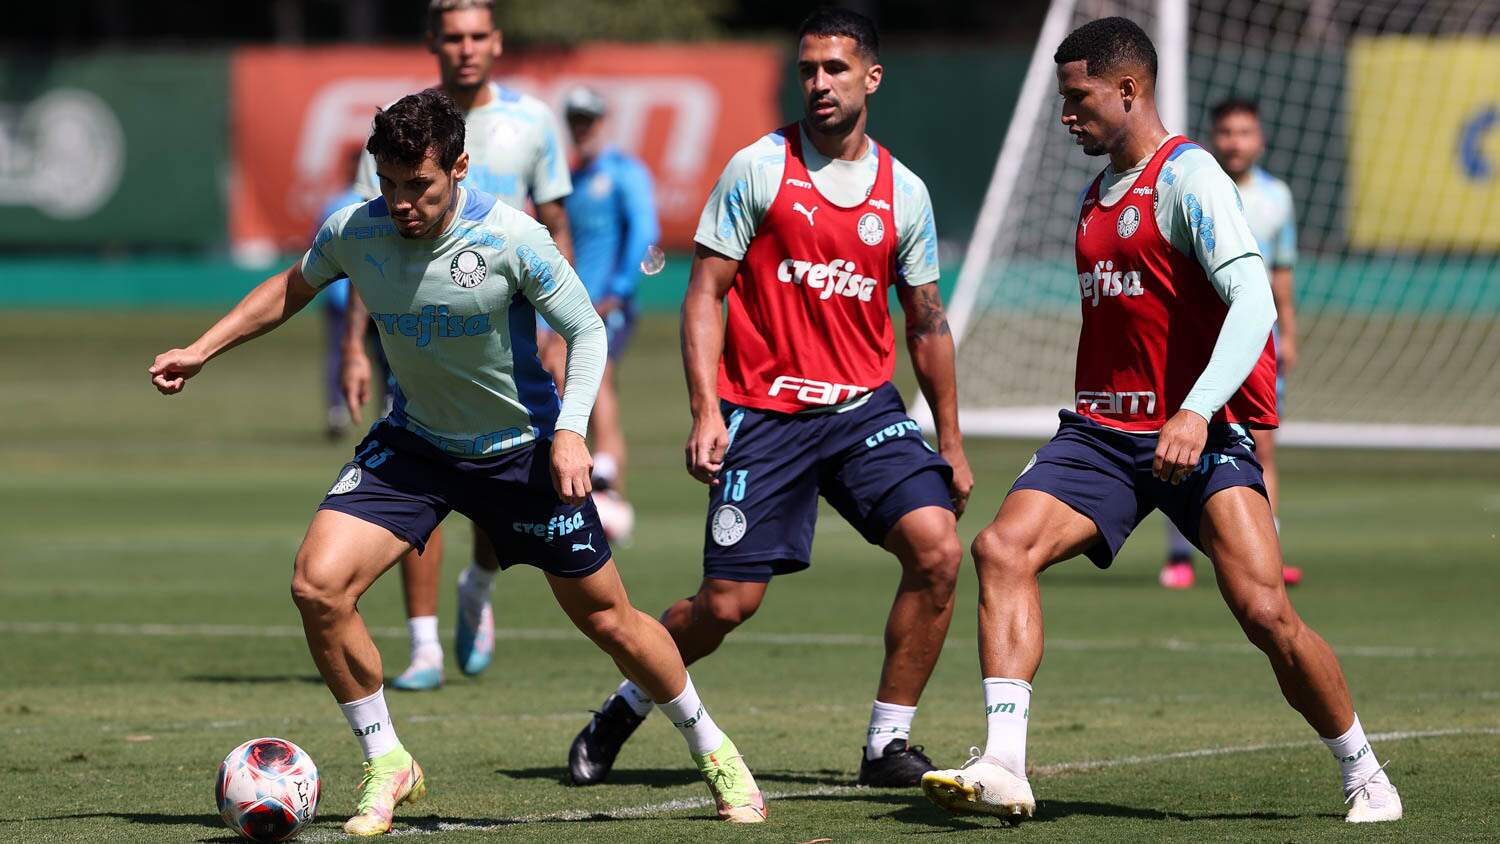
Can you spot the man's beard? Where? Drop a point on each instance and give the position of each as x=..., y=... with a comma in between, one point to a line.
x=837, y=125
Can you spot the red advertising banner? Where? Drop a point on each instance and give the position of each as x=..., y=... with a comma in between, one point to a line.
x=299, y=113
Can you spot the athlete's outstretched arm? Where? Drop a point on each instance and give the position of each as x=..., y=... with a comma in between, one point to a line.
x=930, y=344
x=271, y=303
x=702, y=345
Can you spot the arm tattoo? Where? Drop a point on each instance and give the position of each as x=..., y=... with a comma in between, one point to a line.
x=924, y=313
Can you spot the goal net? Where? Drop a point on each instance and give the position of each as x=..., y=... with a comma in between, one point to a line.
x=1383, y=117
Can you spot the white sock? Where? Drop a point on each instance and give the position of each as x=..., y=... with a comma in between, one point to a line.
x=636, y=697
x=1007, y=706
x=1356, y=759
x=475, y=584
x=426, y=649
x=371, y=723
x=692, y=720
x=888, y=722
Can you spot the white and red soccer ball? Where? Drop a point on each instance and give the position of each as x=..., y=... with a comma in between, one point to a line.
x=267, y=789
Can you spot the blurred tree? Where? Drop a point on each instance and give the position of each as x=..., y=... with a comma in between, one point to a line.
x=552, y=22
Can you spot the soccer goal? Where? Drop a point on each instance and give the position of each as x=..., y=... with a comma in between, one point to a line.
x=1383, y=116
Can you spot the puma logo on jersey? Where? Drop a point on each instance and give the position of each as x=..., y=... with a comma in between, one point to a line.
x=837, y=278
x=805, y=211
x=812, y=391
x=379, y=265
x=589, y=546
x=798, y=183
x=1106, y=281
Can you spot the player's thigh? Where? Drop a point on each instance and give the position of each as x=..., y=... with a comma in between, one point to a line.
x=343, y=554
x=1032, y=531
x=1265, y=447
x=1238, y=534
x=484, y=549
x=597, y=595
x=1080, y=493
x=764, y=507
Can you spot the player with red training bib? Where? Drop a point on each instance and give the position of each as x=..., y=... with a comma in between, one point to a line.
x=806, y=233
x=1174, y=365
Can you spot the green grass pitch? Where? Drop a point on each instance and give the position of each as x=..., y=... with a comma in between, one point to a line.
x=146, y=629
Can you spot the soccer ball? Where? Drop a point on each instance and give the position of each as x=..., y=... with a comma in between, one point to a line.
x=267, y=789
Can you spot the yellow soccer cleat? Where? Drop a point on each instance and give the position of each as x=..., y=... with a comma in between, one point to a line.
x=730, y=782
x=390, y=779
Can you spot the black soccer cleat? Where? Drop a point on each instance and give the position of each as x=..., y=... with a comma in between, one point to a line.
x=898, y=767
x=593, y=752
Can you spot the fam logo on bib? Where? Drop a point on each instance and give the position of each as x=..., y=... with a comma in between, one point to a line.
x=871, y=229
x=1130, y=220
x=468, y=269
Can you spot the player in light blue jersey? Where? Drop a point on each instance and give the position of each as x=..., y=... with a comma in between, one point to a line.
x=455, y=280
x=516, y=154
x=1238, y=143
x=613, y=216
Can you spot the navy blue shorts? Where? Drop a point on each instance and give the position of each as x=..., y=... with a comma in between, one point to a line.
x=870, y=462
x=619, y=326
x=406, y=485
x=1105, y=474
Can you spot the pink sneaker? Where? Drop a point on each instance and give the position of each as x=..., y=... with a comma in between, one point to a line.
x=1177, y=576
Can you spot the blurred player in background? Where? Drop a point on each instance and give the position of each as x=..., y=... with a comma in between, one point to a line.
x=806, y=233
x=516, y=155
x=336, y=316
x=457, y=280
x=613, y=216
x=1174, y=363
x=1238, y=143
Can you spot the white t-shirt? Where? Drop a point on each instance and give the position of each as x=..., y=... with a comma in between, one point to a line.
x=751, y=179
x=514, y=152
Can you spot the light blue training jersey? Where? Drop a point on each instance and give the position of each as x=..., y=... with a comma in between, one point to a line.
x=457, y=319
x=613, y=216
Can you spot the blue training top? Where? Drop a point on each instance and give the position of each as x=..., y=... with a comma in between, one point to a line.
x=613, y=217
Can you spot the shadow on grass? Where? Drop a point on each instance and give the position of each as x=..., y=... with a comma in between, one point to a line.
x=675, y=777
x=204, y=821
x=253, y=680
x=919, y=811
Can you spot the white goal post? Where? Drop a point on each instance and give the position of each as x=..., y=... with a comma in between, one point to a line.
x=1383, y=117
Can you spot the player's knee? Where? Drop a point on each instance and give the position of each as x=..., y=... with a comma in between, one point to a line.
x=317, y=596
x=610, y=630
x=1267, y=619
x=725, y=610
x=934, y=568
x=999, y=554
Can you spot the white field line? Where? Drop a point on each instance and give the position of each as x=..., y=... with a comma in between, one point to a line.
x=745, y=638
x=644, y=810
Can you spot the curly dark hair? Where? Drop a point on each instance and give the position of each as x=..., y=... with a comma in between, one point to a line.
x=1107, y=44
x=416, y=126
x=830, y=21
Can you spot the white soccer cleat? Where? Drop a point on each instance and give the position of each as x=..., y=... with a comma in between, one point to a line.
x=1374, y=801
x=982, y=786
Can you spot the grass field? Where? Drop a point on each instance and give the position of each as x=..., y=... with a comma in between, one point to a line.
x=146, y=629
